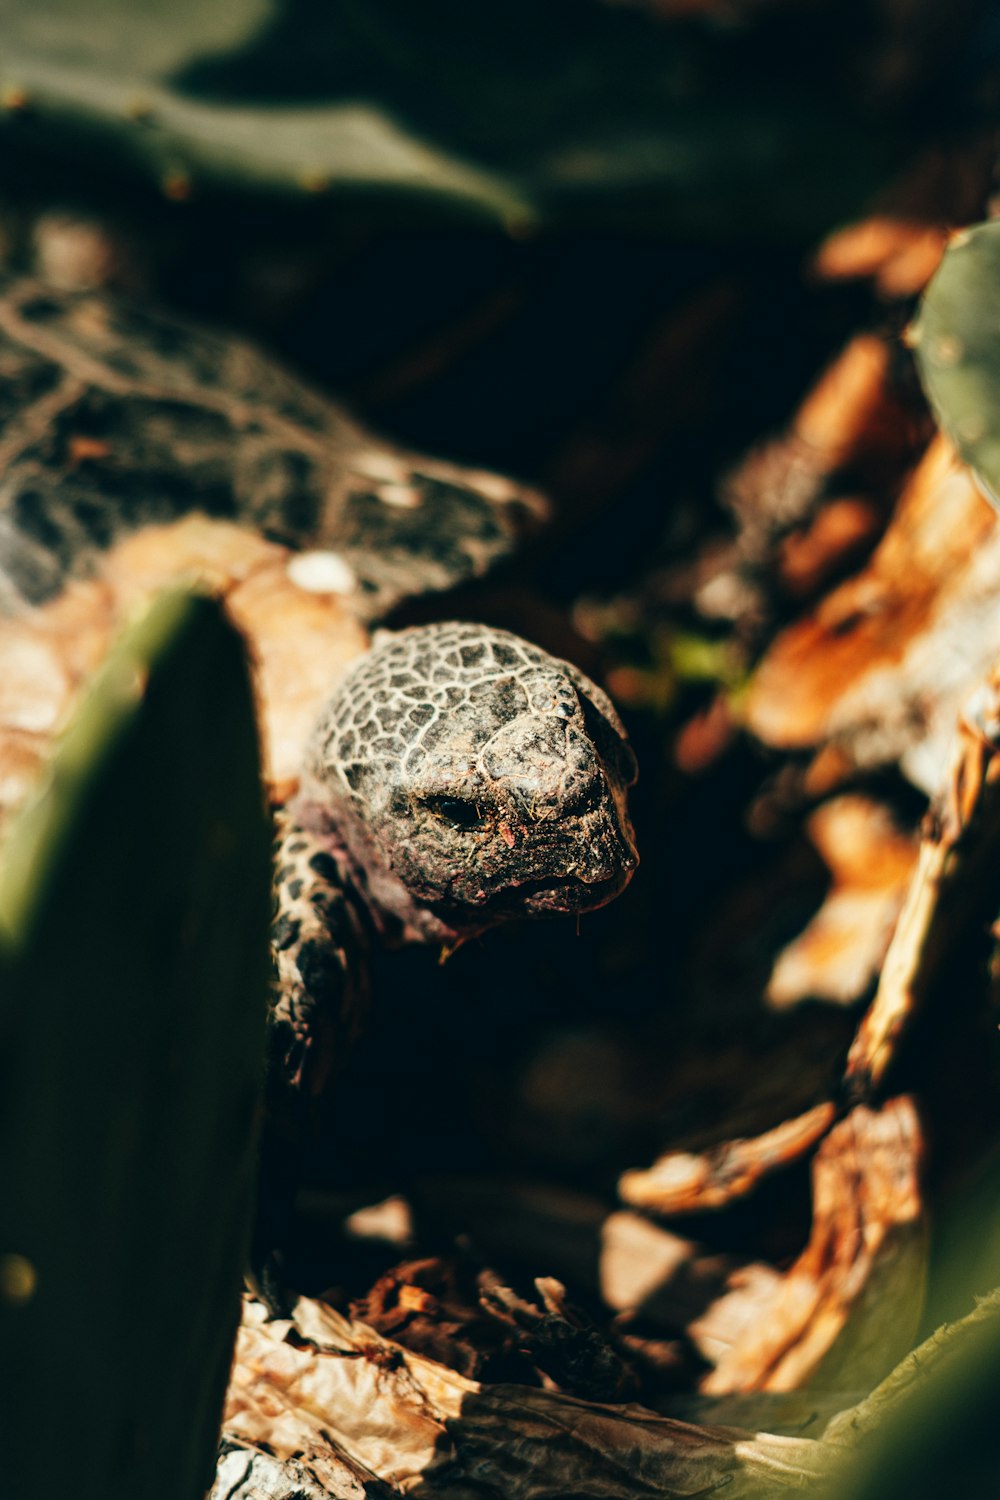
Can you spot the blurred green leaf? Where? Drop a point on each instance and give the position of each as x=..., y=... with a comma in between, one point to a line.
x=957, y=342
x=931, y=1428
x=134, y=902
x=520, y=113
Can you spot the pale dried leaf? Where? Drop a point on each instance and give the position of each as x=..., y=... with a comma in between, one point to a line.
x=837, y=956
x=882, y=666
x=316, y=1385
x=681, y=1182
x=849, y=1306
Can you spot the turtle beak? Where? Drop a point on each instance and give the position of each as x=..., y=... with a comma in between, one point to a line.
x=606, y=861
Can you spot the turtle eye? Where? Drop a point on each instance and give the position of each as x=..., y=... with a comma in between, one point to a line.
x=456, y=812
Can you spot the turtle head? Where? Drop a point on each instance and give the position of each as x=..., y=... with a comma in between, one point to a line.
x=471, y=778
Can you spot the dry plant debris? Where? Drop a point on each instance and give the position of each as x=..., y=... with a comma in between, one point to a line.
x=849, y=1306
x=838, y=955
x=681, y=1182
x=877, y=674
x=334, y=1400
x=950, y=894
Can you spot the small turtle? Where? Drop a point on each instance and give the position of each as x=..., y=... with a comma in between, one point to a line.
x=445, y=778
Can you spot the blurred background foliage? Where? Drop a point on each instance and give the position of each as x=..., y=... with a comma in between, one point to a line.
x=690, y=120
x=564, y=239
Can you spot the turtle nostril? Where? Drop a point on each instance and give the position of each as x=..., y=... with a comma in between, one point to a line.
x=453, y=810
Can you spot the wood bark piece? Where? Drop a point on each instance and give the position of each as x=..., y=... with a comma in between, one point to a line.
x=681, y=1182
x=850, y=1305
x=952, y=890
x=878, y=671
x=315, y=1389
x=517, y=1442
x=837, y=956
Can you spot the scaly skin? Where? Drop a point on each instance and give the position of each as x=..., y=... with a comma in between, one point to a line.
x=319, y=942
x=458, y=778
x=113, y=418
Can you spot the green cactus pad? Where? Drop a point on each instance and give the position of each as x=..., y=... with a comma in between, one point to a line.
x=956, y=339
x=134, y=903
x=930, y=1428
x=518, y=114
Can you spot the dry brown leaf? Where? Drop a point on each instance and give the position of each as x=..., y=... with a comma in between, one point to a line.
x=848, y=412
x=837, y=956
x=881, y=667
x=842, y=531
x=850, y=1305
x=684, y=1183
x=245, y=1472
x=316, y=1389
x=899, y=254
x=856, y=419
x=899, y=245
x=951, y=892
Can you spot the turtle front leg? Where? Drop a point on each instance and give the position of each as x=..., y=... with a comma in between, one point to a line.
x=319, y=947
x=320, y=952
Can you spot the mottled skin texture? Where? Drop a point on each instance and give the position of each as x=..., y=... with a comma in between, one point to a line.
x=470, y=774
x=319, y=942
x=458, y=776
x=112, y=418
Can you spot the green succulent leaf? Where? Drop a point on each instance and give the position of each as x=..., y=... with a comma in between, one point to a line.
x=134, y=901
x=957, y=343
x=519, y=114
x=930, y=1428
